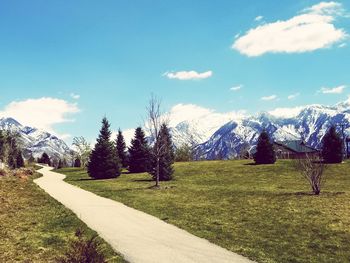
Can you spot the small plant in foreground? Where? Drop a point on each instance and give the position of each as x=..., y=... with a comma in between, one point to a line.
x=312, y=169
x=83, y=250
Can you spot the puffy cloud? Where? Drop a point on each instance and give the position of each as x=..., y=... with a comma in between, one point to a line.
x=42, y=113
x=293, y=96
x=311, y=30
x=236, y=88
x=188, y=75
x=267, y=98
x=326, y=8
x=335, y=90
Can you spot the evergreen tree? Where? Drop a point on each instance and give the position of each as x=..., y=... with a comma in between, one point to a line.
x=77, y=163
x=31, y=159
x=265, y=153
x=121, y=149
x=60, y=164
x=45, y=159
x=19, y=160
x=13, y=151
x=332, y=147
x=163, y=155
x=104, y=162
x=139, y=156
x=2, y=145
x=184, y=153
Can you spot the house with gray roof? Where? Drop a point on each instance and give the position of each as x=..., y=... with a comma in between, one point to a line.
x=293, y=149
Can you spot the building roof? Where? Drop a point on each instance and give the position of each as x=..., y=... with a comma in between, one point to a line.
x=297, y=146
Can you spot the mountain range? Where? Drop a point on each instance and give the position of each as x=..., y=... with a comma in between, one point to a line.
x=215, y=135
x=34, y=141
x=309, y=123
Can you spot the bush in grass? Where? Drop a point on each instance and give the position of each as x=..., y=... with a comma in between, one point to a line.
x=83, y=250
x=3, y=172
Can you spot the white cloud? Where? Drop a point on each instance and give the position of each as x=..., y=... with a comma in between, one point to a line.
x=342, y=45
x=75, y=96
x=42, y=113
x=258, y=18
x=286, y=112
x=335, y=90
x=236, y=88
x=325, y=8
x=267, y=98
x=188, y=75
x=293, y=96
x=309, y=31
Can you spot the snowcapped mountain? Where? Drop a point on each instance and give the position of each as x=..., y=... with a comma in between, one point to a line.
x=35, y=141
x=309, y=123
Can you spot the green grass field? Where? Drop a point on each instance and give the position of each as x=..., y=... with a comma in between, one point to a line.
x=34, y=227
x=263, y=212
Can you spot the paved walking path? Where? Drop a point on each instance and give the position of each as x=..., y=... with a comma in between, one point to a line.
x=139, y=237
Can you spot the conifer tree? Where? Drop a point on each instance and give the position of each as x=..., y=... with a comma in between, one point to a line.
x=31, y=159
x=62, y=163
x=77, y=163
x=121, y=149
x=139, y=156
x=2, y=145
x=45, y=159
x=163, y=161
x=265, y=153
x=332, y=147
x=19, y=159
x=104, y=162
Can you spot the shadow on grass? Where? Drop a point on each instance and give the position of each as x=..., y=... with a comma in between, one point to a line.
x=250, y=164
x=143, y=180
x=323, y=193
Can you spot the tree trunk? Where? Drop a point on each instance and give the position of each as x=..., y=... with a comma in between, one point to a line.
x=157, y=173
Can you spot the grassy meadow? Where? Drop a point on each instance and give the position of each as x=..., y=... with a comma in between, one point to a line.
x=34, y=227
x=265, y=212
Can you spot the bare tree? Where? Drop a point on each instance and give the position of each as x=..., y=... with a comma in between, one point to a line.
x=82, y=149
x=155, y=120
x=312, y=169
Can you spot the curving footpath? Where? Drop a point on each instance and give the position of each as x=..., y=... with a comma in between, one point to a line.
x=139, y=237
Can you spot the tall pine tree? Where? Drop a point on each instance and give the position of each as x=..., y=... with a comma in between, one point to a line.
x=121, y=149
x=163, y=155
x=332, y=147
x=139, y=153
x=45, y=159
x=265, y=154
x=19, y=159
x=104, y=162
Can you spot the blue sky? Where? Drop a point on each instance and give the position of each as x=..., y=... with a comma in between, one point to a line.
x=96, y=58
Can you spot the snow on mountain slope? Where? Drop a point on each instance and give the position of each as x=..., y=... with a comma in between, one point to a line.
x=35, y=141
x=191, y=124
x=309, y=122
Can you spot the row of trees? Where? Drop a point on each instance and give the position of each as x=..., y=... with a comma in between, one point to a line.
x=10, y=151
x=153, y=154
